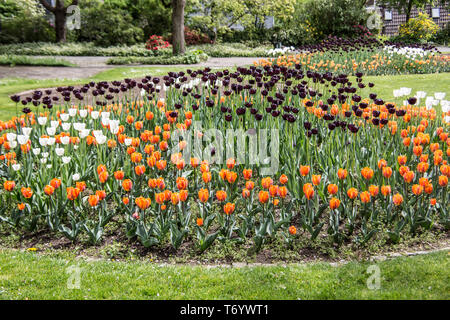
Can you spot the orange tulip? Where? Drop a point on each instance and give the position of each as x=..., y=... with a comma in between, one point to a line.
x=206, y=176
x=26, y=192
x=231, y=163
x=221, y=195
x=203, y=195
x=21, y=206
x=352, y=193
x=55, y=183
x=443, y=181
x=139, y=170
x=182, y=183
x=408, y=176
x=103, y=176
x=283, y=179
x=126, y=200
x=245, y=193
x=365, y=197
x=292, y=230
x=316, y=179
x=9, y=185
x=93, y=200
x=266, y=182
x=250, y=185
x=183, y=195
x=304, y=170
x=161, y=164
x=397, y=199
x=367, y=173
x=334, y=203
x=127, y=185
x=387, y=172
x=247, y=174
x=332, y=189
x=308, y=190
x=417, y=189
x=342, y=174
x=382, y=163
x=143, y=203
x=263, y=196
x=49, y=190
x=199, y=222
x=231, y=176
x=229, y=208
x=72, y=193
x=401, y=160
x=386, y=190
x=373, y=190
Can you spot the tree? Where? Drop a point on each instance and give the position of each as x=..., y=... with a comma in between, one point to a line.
x=405, y=6
x=60, y=13
x=178, y=6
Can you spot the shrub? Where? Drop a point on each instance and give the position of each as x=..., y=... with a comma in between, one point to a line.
x=419, y=29
x=106, y=25
x=194, y=37
x=189, y=58
x=156, y=43
x=443, y=35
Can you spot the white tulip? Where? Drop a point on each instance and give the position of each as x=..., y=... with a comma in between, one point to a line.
x=84, y=133
x=42, y=120
x=76, y=177
x=421, y=94
x=36, y=151
x=22, y=139
x=66, y=126
x=128, y=141
x=16, y=167
x=105, y=121
x=94, y=115
x=51, y=141
x=114, y=126
x=65, y=160
x=97, y=133
x=65, y=140
x=83, y=113
x=11, y=137
x=54, y=124
x=142, y=92
x=43, y=141
x=13, y=144
x=79, y=126
x=49, y=166
x=59, y=152
x=43, y=160
x=72, y=112
x=447, y=119
x=439, y=95
x=45, y=154
x=406, y=91
x=64, y=116
x=105, y=115
x=51, y=131
x=27, y=131
x=101, y=140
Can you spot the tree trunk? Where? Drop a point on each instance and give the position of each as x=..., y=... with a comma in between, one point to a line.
x=408, y=10
x=178, y=45
x=60, y=25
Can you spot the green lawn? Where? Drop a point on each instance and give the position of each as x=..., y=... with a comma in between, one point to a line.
x=28, y=275
x=384, y=85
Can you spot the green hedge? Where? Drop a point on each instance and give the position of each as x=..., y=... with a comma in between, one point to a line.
x=182, y=59
x=13, y=60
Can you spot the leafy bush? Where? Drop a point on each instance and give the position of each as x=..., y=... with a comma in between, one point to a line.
x=13, y=60
x=189, y=58
x=107, y=25
x=23, y=21
x=232, y=50
x=443, y=35
x=156, y=43
x=419, y=29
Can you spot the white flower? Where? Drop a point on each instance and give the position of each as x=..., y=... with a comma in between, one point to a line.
x=128, y=141
x=105, y=115
x=65, y=160
x=26, y=131
x=142, y=92
x=22, y=139
x=49, y=166
x=13, y=144
x=105, y=121
x=42, y=120
x=97, y=133
x=66, y=126
x=59, y=151
x=43, y=160
x=94, y=115
x=83, y=113
x=51, y=141
x=11, y=137
x=45, y=154
x=405, y=91
x=101, y=139
x=79, y=126
x=76, y=177
x=65, y=140
x=114, y=126
x=64, y=116
x=72, y=112
x=51, y=131
x=43, y=141
x=16, y=167
x=36, y=151
x=421, y=94
x=54, y=124
x=447, y=119
x=84, y=133
x=439, y=95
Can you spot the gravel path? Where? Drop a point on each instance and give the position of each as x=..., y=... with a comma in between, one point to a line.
x=90, y=66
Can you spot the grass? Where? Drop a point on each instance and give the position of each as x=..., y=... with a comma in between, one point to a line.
x=384, y=85
x=14, y=60
x=29, y=275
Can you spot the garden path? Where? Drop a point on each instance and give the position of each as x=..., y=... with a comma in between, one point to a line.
x=90, y=66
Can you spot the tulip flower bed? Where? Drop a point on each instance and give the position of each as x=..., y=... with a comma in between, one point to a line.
x=367, y=56
x=342, y=166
